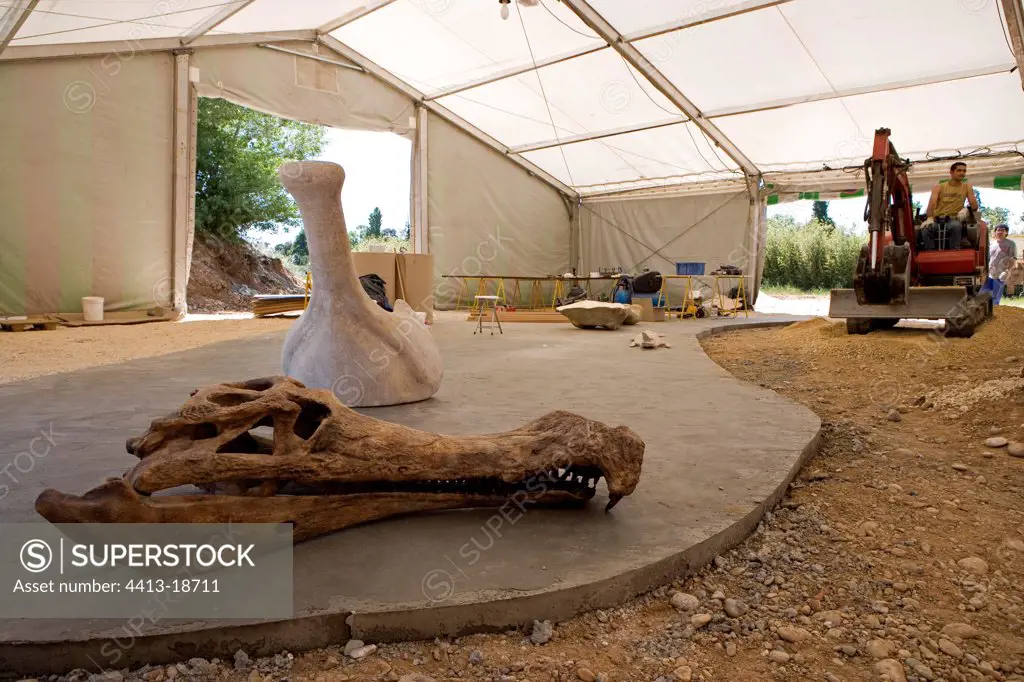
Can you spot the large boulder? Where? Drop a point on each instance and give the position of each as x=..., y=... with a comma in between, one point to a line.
x=598, y=314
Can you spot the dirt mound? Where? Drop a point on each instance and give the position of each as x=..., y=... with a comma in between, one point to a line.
x=911, y=343
x=225, y=275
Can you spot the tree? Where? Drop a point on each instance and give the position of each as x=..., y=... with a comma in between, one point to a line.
x=820, y=213
x=995, y=216
x=373, y=229
x=408, y=229
x=238, y=153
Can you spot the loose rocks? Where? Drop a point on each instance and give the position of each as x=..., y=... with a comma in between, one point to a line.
x=735, y=608
x=891, y=670
x=973, y=564
x=795, y=635
x=685, y=602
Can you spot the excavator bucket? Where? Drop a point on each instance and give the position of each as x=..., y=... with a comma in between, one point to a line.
x=960, y=311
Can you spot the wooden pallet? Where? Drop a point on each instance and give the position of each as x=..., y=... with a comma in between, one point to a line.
x=276, y=304
x=38, y=322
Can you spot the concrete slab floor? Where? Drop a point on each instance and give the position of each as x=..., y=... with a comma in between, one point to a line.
x=718, y=454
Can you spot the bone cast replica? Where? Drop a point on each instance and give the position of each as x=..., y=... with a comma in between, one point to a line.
x=344, y=341
x=648, y=339
x=594, y=314
x=329, y=467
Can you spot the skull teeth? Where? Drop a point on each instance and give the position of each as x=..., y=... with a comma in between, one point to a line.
x=573, y=480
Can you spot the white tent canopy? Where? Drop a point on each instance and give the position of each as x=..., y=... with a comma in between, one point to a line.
x=598, y=99
x=793, y=85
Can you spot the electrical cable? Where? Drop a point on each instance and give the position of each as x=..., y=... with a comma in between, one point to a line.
x=547, y=104
x=1002, y=25
x=629, y=69
x=141, y=21
x=596, y=37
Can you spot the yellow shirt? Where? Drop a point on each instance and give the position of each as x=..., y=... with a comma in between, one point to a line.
x=951, y=199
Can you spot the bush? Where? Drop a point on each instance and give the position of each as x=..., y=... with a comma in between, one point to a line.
x=389, y=243
x=814, y=255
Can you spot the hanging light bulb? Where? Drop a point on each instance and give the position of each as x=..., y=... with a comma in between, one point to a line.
x=504, y=8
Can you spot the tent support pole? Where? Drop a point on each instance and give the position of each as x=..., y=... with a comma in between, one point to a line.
x=409, y=91
x=212, y=22
x=753, y=188
x=420, y=227
x=597, y=23
x=12, y=21
x=1013, y=11
x=182, y=199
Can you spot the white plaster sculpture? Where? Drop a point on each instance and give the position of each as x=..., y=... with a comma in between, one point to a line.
x=344, y=341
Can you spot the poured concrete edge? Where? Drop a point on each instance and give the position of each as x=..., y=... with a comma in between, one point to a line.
x=129, y=650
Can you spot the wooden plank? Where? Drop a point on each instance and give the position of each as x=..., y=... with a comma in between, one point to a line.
x=113, y=317
x=523, y=316
x=27, y=323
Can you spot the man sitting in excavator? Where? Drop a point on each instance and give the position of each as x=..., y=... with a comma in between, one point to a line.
x=947, y=215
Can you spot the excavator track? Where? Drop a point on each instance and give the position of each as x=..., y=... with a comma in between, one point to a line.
x=962, y=311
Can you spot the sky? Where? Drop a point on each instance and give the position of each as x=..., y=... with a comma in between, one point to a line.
x=377, y=174
x=850, y=212
x=377, y=168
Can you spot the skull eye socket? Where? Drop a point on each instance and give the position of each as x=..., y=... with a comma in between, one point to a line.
x=229, y=399
x=310, y=418
x=203, y=431
x=257, y=384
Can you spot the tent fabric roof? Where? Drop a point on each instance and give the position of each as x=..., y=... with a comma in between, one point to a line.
x=794, y=85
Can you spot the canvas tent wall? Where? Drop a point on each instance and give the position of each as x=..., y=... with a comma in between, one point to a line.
x=86, y=184
x=594, y=99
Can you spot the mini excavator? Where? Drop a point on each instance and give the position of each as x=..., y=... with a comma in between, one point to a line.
x=895, y=279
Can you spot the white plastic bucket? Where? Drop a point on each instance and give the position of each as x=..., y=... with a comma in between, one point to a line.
x=92, y=308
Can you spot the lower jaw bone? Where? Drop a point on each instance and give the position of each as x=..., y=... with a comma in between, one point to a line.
x=117, y=502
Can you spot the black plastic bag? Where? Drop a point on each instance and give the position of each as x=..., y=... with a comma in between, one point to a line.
x=374, y=287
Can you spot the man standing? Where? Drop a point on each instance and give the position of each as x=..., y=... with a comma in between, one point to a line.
x=946, y=210
x=1001, y=256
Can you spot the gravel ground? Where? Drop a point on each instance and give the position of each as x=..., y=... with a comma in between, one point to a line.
x=897, y=555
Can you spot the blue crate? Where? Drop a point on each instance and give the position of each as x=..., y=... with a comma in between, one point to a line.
x=684, y=268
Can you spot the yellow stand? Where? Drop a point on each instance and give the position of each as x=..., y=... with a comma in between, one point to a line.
x=536, y=295
x=741, y=297
x=558, y=292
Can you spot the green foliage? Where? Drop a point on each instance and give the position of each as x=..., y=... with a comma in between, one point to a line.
x=375, y=222
x=820, y=212
x=297, y=250
x=995, y=216
x=389, y=243
x=809, y=256
x=238, y=152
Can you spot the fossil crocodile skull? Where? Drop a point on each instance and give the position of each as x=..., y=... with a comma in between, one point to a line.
x=328, y=467
x=344, y=341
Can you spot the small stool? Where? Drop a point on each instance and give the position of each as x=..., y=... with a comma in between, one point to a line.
x=482, y=302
